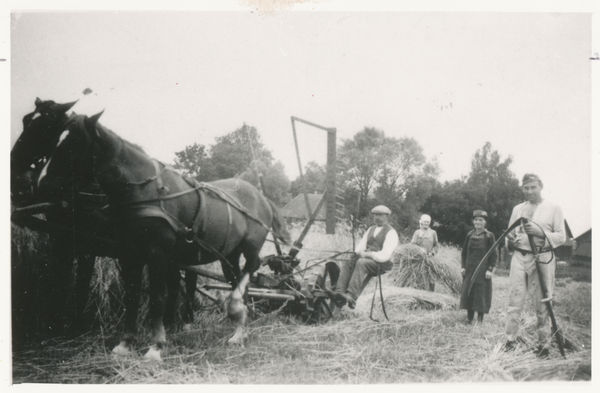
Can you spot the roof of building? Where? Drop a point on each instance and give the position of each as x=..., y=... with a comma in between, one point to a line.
x=584, y=244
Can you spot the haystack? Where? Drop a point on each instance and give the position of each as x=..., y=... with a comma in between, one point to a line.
x=414, y=269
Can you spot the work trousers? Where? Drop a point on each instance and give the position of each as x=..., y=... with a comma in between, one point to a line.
x=356, y=274
x=524, y=279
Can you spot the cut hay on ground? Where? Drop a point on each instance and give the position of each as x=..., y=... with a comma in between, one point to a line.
x=414, y=269
x=412, y=299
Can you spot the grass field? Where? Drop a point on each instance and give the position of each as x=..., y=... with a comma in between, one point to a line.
x=416, y=345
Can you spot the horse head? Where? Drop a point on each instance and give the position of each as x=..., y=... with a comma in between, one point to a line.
x=41, y=130
x=70, y=166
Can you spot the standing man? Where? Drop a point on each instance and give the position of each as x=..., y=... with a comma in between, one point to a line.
x=373, y=254
x=427, y=239
x=523, y=274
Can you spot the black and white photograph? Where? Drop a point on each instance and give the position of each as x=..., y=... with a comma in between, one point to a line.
x=299, y=192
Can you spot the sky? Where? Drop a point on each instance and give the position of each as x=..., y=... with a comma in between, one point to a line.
x=451, y=80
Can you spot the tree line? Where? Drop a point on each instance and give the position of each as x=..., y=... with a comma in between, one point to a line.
x=375, y=169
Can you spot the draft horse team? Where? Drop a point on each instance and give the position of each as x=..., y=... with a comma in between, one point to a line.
x=157, y=217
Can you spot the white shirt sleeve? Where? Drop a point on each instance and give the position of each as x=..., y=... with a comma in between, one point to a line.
x=389, y=245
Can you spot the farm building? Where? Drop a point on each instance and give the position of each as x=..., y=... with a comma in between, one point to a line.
x=565, y=252
x=583, y=251
x=296, y=208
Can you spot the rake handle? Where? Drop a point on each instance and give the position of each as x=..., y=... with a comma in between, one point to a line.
x=546, y=295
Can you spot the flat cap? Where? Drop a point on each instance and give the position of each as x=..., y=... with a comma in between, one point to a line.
x=530, y=177
x=480, y=213
x=381, y=210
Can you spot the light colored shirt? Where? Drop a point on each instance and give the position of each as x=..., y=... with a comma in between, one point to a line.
x=389, y=244
x=426, y=239
x=548, y=216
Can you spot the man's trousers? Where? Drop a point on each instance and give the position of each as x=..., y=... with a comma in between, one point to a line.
x=524, y=279
x=356, y=274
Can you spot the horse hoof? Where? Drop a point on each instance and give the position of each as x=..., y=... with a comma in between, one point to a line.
x=122, y=349
x=153, y=354
x=238, y=338
x=236, y=309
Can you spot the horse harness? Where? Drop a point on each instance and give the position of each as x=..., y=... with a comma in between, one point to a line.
x=191, y=234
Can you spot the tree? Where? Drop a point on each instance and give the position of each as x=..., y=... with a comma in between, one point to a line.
x=450, y=210
x=389, y=171
x=364, y=157
x=314, y=176
x=189, y=161
x=275, y=181
x=232, y=156
x=491, y=186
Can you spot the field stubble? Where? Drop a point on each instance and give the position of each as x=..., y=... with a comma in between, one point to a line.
x=426, y=340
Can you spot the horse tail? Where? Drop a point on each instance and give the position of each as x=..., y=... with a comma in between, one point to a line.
x=278, y=224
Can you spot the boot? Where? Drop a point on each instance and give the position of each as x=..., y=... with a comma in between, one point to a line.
x=337, y=298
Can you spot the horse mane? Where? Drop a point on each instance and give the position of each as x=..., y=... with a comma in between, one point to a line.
x=125, y=142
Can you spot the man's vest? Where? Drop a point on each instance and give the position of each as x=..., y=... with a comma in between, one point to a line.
x=375, y=243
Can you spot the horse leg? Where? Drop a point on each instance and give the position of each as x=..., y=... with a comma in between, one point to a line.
x=85, y=268
x=231, y=269
x=236, y=309
x=157, y=273
x=191, y=279
x=131, y=271
x=173, y=285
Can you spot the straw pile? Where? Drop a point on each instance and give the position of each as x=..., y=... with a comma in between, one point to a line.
x=410, y=299
x=414, y=269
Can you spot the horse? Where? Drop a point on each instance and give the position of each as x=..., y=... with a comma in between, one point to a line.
x=80, y=211
x=78, y=223
x=164, y=219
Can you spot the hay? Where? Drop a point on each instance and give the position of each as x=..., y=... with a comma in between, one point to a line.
x=414, y=269
x=410, y=299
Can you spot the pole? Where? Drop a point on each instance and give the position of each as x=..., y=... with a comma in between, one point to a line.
x=308, y=209
x=546, y=298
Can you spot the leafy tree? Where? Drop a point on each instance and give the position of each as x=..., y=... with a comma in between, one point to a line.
x=450, y=210
x=491, y=186
x=389, y=171
x=365, y=157
x=190, y=160
x=275, y=181
x=231, y=156
x=314, y=176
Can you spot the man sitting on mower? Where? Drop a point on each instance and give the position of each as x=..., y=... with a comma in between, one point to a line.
x=373, y=254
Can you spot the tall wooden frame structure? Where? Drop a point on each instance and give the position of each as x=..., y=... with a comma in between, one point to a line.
x=331, y=172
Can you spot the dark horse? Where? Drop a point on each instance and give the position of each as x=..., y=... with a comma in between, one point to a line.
x=163, y=219
x=78, y=221
x=73, y=214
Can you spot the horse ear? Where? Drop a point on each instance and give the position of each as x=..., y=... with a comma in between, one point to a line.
x=94, y=119
x=65, y=107
x=91, y=122
x=38, y=102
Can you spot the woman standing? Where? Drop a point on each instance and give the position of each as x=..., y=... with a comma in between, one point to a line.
x=476, y=245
